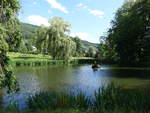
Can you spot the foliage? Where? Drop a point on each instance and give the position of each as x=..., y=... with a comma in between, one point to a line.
x=3, y=44
x=45, y=100
x=24, y=47
x=91, y=52
x=107, y=98
x=129, y=36
x=28, y=37
x=33, y=35
x=54, y=39
x=79, y=46
x=8, y=10
x=40, y=39
x=14, y=36
x=107, y=53
x=84, y=48
x=47, y=111
x=7, y=79
x=113, y=97
x=68, y=111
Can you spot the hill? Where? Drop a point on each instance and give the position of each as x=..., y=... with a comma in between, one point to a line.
x=28, y=30
x=88, y=44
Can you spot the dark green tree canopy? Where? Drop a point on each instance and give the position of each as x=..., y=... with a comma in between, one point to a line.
x=8, y=11
x=79, y=46
x=129, y=36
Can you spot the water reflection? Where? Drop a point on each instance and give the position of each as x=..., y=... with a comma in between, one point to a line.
x=74, y=78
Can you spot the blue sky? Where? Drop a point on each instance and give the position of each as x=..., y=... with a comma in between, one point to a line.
x=90, y=19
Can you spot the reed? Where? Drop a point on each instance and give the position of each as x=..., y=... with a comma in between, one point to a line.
x=107, y=99
x=46, y=100
x=114, y=97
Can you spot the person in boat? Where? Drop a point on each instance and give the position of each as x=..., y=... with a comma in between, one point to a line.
x=95, y=65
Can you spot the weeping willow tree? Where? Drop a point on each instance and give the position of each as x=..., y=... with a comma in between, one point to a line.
x=41, y=39
x=54, y=39
x=8, y=10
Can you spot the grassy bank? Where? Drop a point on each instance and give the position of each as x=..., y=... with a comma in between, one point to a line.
x=108, y=99
x=47, y=111
x=70, y=111
x=19, y=59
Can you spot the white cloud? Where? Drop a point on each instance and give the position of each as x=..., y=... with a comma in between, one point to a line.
x=34, y=3
x=81, y=35
x=86, y=36
x=98, y=13
x=80, y=5
x=57, y=5
x=37, y=20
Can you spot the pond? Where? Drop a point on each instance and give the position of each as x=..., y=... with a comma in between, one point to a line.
x=74, y=78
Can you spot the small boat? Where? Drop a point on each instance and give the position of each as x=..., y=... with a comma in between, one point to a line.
x=95, y=66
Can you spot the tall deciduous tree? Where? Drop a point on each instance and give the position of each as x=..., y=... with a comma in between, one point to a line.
x=14, y=36
x=91, y=52
x=130, y=32
x=79, y=46
x=54, y=39
x=8, y=10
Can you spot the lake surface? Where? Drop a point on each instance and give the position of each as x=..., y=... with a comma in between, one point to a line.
x=74, y=78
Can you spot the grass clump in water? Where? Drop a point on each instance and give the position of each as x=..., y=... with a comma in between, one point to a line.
x=47, y=100
x=107, y=99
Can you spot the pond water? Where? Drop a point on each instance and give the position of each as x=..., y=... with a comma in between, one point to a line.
x=73, y=78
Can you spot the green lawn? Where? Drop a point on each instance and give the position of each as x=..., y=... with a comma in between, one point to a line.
x=25, y=55
x=18, y=59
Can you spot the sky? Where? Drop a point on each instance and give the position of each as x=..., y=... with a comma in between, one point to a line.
x=89, y=19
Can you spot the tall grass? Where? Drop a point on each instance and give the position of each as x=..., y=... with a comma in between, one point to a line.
x=46, y=100
x=114, y=97
x=107, y=98
x=67, y=111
